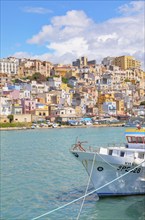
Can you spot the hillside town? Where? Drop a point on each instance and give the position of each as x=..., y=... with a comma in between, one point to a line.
x=35, y=90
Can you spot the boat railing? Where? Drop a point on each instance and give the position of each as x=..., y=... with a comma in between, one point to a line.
x=79, y=146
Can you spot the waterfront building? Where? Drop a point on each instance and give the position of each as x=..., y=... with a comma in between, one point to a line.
x=67, y=112
x=17, y=109
x=42, y=110
x=22, y=117
x=28, y=106
x=5, y=106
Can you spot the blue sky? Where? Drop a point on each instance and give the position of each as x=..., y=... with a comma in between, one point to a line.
x=61, y=31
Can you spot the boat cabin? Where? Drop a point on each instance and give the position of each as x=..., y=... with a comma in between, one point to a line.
x=135, y=138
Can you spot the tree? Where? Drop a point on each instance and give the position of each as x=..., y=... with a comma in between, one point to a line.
x=38, y=77
x=127, y=80
x=142, y=103
x=11, y=118
x=64, y=80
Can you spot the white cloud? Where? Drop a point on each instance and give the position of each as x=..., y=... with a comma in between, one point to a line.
x=72, y=18
x=132, y=7
x=37, y=10
x=75, y=34
x=76, y=46
x=22, y=54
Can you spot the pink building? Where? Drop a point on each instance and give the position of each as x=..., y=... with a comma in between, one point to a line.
x=28, y=106
x=14, y=95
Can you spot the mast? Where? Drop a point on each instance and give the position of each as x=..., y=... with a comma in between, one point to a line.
x=99, y=99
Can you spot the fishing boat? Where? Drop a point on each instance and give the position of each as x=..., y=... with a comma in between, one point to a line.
x=116, y=170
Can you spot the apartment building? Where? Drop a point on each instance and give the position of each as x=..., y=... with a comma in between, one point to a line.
x=83, y=61
x=28, y=67
x=9, y=65
x=42, y=67
x=126, y=62
x=4, y=79
x=107, y=61
x=28, y=106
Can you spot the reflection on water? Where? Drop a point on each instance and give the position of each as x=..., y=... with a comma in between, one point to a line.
x=137, y=209
x=66, y=197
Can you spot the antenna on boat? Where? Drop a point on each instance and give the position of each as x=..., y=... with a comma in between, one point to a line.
x=76, y=140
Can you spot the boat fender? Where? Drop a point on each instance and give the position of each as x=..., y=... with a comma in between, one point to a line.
x=100, y=169
x=75, y=154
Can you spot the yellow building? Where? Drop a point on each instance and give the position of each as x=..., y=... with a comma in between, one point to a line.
x=126, y=62
x=42, y=112
x=120, y=107
x=62, y=70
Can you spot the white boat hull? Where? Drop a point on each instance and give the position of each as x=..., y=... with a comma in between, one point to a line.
x=113, y=178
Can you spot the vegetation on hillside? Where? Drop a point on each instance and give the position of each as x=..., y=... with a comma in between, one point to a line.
x=142, y=103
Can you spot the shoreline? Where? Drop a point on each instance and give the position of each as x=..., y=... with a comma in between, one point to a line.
x=63, y=126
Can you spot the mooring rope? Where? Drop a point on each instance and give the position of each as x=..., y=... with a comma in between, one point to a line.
x=105, y=161
x=95, y=190
x=87, y=186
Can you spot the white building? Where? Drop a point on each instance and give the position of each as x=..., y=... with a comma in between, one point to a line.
x=109, y=108
x=5, y=106
x=54, y=82
x=9, y=65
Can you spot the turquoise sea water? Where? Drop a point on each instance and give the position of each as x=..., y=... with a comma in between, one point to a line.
x=38, y=174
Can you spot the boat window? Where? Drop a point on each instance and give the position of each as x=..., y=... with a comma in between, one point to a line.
x=110, y=152
x=133, y=140
x=129, y=139
x=122, y=154
x=139, y=140
x=141, y=155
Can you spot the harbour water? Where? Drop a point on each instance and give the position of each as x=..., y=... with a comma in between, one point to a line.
x=38, y=174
